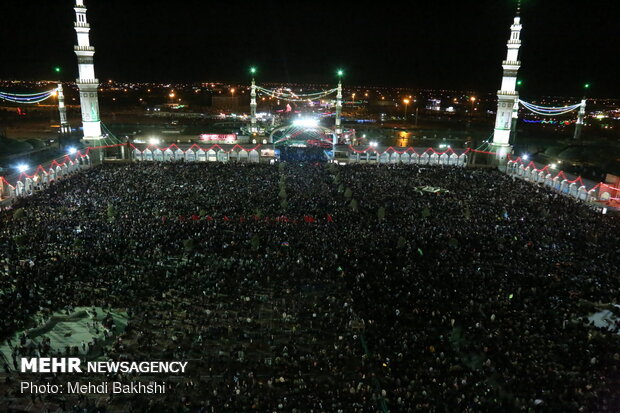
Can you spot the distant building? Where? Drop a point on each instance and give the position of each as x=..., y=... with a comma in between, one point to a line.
x=434, y=104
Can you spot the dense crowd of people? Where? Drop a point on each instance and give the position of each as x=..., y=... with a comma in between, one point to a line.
x=325, y=288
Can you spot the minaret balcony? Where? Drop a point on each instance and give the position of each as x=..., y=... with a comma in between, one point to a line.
x=507, y=93
x=82, y=25
x=87, y=81
x=84, y=48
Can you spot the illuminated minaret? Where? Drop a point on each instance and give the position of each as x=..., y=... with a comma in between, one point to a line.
x=507, y=95
x=253, y=127
x=580, y=116
x=338, y=127
x=515, y=119
x=65, y=128
x=87, y=82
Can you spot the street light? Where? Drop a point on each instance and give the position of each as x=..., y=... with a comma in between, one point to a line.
x=472, y=100
x=406, y=102
x=22, y=167
x=71, y=150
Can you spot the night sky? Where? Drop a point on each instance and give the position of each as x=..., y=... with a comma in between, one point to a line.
x=423, y=44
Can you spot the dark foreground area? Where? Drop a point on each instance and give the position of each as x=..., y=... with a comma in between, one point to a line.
x=317, y=288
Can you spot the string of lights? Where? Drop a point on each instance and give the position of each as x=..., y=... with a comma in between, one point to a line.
x=294, y=97
x=549, y=110
x=27, y=98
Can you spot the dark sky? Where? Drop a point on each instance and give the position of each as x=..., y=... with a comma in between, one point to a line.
x=425, y=44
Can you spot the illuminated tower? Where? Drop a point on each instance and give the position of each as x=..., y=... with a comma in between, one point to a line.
x=253, y=127
x=65, y=128
x=338, y=127
x=515, y=118
x=507, y=95
x=580, y=116
x=87, y=82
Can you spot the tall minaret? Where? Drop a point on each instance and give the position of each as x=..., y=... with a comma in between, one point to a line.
x=253, y=127
x=338, y=126
x=87, y=82
x=580, y=116
x=65, y=128
x=507, y=95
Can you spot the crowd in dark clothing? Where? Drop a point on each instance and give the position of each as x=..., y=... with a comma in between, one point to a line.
x=325, y=288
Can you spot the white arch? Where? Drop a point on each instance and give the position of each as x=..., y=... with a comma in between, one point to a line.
x=223, y=156
x=211, y=156
x=462, y=160
x=582, y=193
x=168, y=155
x=137, y=155
x=147, y=155
x=453, y=159
x=19, y=188
x=424, y=158
x=201, y=156
x=178, y=155
x=190, y=155
x=28, y=185
x=444, y=159
x=573, y=188
x=254, y=156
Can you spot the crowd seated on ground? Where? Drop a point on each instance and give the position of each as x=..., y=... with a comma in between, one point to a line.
x=323, y=288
